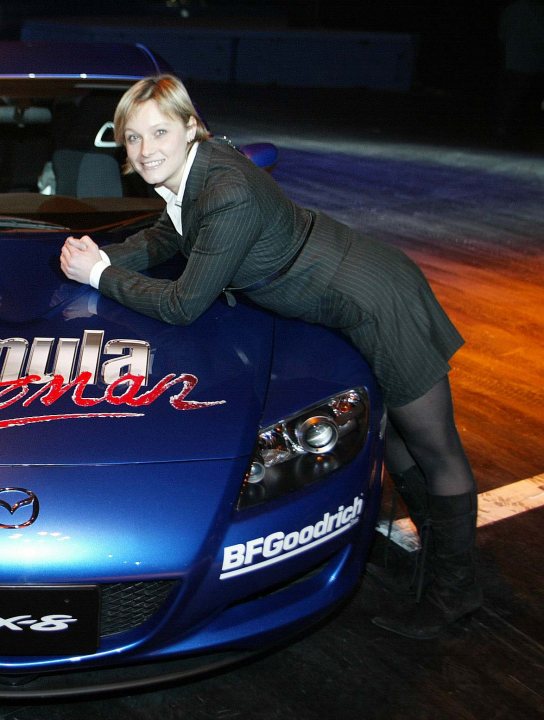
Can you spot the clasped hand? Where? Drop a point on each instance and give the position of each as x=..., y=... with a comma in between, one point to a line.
x=77, y=258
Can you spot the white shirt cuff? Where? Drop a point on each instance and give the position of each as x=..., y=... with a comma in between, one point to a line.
x=97, y=270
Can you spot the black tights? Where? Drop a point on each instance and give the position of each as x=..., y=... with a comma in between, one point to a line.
x=423, y=433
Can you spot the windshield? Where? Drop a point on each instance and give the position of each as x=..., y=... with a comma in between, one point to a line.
x=60, y=166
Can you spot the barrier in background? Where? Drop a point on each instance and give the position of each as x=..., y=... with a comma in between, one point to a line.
x=298, y=58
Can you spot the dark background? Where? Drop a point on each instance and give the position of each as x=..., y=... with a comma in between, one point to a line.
x=457, y=40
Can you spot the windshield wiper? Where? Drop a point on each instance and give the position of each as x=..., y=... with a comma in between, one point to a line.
x=9, y=222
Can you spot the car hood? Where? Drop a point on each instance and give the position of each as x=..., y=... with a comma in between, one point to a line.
x=194, y=393
x=113, y=523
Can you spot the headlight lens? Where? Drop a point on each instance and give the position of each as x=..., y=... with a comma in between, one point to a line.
x=306, y=447
x=317, y=434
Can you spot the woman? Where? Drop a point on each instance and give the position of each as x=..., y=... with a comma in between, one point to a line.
x=240, y=233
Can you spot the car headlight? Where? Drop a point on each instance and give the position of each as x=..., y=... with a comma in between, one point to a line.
x=306, y=447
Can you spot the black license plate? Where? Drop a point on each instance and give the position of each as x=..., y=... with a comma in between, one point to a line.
x=49, y=620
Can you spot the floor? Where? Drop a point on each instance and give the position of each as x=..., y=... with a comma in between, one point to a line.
x=425, y=173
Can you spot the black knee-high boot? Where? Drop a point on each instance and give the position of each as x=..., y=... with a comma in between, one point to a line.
x=454, y=592
x=412, y=488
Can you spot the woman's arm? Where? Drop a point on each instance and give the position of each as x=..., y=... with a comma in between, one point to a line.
x=80, y=257
x=146, y=248
x=229, y=223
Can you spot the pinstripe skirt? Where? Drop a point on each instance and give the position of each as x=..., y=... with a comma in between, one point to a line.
x=402, y=330
x=379, y=299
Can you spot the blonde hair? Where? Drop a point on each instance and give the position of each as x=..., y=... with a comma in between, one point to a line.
x=173, y=100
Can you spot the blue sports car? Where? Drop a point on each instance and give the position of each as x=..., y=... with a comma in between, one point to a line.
x=172, y=499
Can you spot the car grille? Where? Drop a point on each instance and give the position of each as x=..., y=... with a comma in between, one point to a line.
x=127, y=605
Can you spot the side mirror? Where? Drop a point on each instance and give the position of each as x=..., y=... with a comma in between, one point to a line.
x=264, y=155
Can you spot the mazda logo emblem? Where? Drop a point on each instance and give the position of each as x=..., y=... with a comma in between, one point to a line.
x=16, y=500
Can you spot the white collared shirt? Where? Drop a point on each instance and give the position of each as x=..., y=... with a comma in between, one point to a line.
x=173, y=202
x=173, y=208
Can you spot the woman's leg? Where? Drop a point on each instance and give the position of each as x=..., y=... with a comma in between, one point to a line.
x=409, y=482
x=428, y=428
x=397, y=457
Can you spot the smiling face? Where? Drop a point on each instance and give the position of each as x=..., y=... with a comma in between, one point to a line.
x=157, y=144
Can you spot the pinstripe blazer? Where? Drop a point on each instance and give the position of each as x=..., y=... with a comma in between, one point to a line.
x=238, y=228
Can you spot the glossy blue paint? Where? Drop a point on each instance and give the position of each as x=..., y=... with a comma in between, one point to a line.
x=153, y=495
x=264, y=155
x=207, y=613
x=138, y=478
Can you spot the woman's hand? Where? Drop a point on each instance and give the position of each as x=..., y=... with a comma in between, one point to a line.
x=77, y=258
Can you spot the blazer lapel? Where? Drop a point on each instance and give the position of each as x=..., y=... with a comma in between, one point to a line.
x=195, y=182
